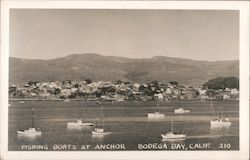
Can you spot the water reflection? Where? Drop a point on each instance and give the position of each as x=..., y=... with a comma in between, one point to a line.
x=100, y=136
x=219, y=127
x=174, y=140
x=155, y=119
x=82, y=128
x=219, y=131
x=28, y=137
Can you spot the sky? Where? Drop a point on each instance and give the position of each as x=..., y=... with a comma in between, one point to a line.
x=194, y=34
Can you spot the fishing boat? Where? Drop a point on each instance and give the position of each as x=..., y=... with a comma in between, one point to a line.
x=172, y=135
x=32, y=131
x=79, y=122
x=156, y=114
x=219, y=122
x=181, y=111
x=100, y=132
x=99, y=129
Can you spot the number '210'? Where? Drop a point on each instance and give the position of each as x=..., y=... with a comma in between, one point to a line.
x=225, y=145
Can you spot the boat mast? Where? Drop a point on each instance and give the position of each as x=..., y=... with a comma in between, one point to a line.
x=102, y=117
x=81, y=114
x=158, y=109
x=97, y=119
x=172, y=127
x=97, y=122
x=211, y=102
x=32, y=117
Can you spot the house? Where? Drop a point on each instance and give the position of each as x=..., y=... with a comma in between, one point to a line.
x=202, y=96
x=191, y=94
x=73, y=90
x=159, y=96
x=234, y=91
x=202, y=92
x=168, y=91
x=226, y=97
x=119, y=97
x=65, y=92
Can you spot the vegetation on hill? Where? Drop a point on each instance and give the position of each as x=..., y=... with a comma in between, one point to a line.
x=222, y=83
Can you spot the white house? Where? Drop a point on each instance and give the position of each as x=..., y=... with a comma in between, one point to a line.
x=159, y=96
x=234, y=91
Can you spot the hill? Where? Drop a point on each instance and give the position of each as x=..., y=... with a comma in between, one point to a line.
x=109, y=68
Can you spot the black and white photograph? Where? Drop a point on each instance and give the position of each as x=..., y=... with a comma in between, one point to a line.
x=126, y=80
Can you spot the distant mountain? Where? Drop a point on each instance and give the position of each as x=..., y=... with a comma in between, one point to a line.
x=109, y=68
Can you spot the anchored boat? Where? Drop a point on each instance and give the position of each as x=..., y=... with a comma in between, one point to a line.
x=172, y=135
x=99, y=130
x=156, y=114
x=181, y=111
x=219, y=122
x=31, y=131
x=79, y=122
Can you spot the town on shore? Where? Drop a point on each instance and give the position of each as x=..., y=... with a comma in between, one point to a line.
x=117, y=91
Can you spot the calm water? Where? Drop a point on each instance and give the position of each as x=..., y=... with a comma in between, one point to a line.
x=128, y=122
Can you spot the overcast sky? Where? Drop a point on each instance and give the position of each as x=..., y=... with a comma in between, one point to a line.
x=199, y=35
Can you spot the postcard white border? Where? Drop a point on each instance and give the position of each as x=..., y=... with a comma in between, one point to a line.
x=242, y=6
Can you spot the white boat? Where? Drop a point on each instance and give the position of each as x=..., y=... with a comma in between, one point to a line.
x=220, y=122
x=9, y=105
x=99, y=130
x=21, y=102
x=79, y=123
x=32, y=131
x=172, y=135
x=181, y=111
x=156, y=114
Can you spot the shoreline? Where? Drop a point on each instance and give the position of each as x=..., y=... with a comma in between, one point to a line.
x=63, y=100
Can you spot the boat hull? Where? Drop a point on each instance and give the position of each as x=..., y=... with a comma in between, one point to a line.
x=181, y=111
x=94, y=133
x=153, y=115
x=219, y=124
x=100, y=132
x=79, y=124
x=29, y=133
x=176, y=136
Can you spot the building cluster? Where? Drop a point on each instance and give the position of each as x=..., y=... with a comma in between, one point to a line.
x=116, y=91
